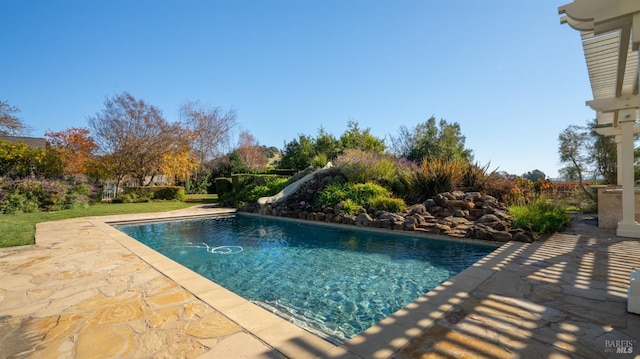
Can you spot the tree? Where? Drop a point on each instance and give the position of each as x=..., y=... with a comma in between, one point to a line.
x=574, y=153
x=535, y=175
x=75, y=146
x=325, y=143
x=298, y=153
x=133, y=137
x=211, y=129
x=253, y=156
x=179, y=160
x=586, y=153
x=10, y=124
x=18, y=160
x=355, y=138
x=604, y=153
x=428, y=141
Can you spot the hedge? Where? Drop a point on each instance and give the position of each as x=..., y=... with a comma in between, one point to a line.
x=146, y=193
x=223, y=185
x=242, y=180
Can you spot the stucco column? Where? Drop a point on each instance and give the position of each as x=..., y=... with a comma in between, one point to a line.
x=618, y=160
x=628, y=227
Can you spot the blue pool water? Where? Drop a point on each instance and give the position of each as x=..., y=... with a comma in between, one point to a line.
x=335, y=280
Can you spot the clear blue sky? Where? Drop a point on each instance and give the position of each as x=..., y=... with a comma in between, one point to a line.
x=505, y=70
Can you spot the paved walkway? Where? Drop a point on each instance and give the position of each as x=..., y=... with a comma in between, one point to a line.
x=85, y=290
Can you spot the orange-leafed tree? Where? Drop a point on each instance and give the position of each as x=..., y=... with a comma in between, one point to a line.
x=179, y=160
x=75, y=147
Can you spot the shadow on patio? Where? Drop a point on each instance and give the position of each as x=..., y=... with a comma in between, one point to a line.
x=564, y=296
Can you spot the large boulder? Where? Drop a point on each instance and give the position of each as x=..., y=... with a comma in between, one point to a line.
x=363, y=220
x=493, y=221
x=418, y=209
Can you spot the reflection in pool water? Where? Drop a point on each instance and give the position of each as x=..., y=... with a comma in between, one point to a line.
x=337, y=281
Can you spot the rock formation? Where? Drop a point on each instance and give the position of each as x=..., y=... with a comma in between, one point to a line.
x=456, y=214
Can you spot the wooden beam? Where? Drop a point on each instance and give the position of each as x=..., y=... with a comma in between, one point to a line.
x=611, y=104
x=635, y=25
x=625, y=35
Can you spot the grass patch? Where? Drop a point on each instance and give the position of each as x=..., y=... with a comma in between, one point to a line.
x=20, y=229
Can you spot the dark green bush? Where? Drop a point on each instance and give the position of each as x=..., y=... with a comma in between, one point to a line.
x=251, y=193
x=223, y=185
x=137, y=194
x=148, y=193
x=540, y=217
x=78, y=197
x=170, y=193
x=133, y=197
x=242, y=180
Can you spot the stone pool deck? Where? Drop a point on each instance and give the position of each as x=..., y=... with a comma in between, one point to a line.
x=85, y=290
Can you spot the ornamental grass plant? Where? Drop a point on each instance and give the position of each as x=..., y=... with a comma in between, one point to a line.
x=540, y=217
x=361, y=166
x=429, y=178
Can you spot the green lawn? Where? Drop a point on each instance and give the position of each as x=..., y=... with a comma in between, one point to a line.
x=19, y=229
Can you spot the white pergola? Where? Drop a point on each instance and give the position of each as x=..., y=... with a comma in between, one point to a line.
x=610, y=31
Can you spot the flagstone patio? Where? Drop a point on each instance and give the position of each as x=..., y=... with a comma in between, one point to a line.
x=86, y=290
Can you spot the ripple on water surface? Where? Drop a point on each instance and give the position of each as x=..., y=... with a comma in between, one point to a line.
x=339, y=281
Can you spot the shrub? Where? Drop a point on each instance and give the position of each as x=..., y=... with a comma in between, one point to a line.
x=223, y=185
x=137, y=194
x=33, y=195
x=349, y=206
x=334, y=194
x=540, y=217
x=388, y=204
x=359, y=193
x=521, y=192
x=77, y=197
x=499, y=187
x=320, y=160
x=240, y=181
x=251, y=193
x=132, y=198
x=12, y=203
x=42, y=194
x=199, y=182
x=360, y=167
x=364, y=192
x=272, y=187
x=170, y=193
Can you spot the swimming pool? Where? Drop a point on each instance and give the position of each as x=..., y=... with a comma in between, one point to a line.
x=333, y=280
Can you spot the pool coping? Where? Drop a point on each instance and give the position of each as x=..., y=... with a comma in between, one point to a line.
x=379, y=341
